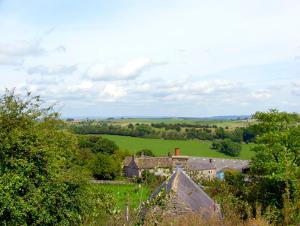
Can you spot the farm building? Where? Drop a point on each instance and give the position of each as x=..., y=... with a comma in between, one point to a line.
x=182, y=195
x=158, y=165
x=196, y=167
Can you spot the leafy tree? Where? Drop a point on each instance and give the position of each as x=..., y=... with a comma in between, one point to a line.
x=236, y=135
x=38, y=185
x=220, y=133
x=249, y=133
x=227, y=147
x=98, y=144
x=275, y=167
x=216, y=144
x=106, y=167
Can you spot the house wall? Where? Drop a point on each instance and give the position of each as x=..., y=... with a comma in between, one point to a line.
x=132, y=172
x=161, y=171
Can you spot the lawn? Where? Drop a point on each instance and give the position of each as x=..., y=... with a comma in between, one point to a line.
x=133, y=194
x=162, y=147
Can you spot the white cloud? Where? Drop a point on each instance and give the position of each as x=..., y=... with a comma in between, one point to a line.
x=7, y=60
x=113, y=91
x=16, y=52
x=261, y=94
x=85, y=85
x=296, y=88
x=131, y=70
x=61, y=49
x=21, y=48
x=52, y=70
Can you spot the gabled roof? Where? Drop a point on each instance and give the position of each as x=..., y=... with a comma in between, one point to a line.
x=186, y=196
x=156, y=162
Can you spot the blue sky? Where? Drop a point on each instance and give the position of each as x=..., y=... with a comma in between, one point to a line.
x=153, y=58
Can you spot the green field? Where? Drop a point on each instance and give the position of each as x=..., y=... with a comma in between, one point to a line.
x=162, y=147
x=220, y=123
x=133, y=194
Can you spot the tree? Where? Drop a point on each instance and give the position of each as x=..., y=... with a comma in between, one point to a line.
x=106, y=167
x=37, y=183
x=227, y=147
x=98, y=144
x=230, y=148
x=275, y=167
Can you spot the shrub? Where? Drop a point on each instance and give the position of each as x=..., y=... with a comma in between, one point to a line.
x=98, y=144
x=38, y=185
x=146, y=152
x=106, y=167
x=227, y=146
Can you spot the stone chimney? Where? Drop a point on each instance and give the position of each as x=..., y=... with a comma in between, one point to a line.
x=210, y=160
x=177, y=151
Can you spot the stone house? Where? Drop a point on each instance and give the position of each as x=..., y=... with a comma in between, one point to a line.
x=196, y=167
x=161, y=166
x=201, y=169
x=222, y=165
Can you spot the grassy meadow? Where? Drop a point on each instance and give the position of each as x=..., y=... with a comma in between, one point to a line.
x=220, y=123
x=162, y=147
x=132, y=194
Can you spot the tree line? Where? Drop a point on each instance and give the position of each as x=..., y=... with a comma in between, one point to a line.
x=167, y=131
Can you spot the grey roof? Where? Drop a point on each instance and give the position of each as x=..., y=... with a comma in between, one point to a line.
x=221, y=164
x=194, y=163
x=187, y=196
x=200, y=165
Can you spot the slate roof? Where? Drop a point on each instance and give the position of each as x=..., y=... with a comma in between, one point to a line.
x=186, y=196
x=200, y=165
x=194, y=163
x=221, y=164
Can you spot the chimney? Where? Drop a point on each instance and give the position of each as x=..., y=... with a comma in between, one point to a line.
x=177, y=151
x=210, y=160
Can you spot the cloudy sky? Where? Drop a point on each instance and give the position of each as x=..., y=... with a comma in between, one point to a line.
x=153, y=58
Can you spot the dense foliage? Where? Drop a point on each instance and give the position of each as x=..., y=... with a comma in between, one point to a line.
x=145, y=152
x=179, y=131
x=275, y=169
x=98, y=144
x=102, y=156
x=105, y=167
x=38, y=183
x=227, y=146
x=272, y=187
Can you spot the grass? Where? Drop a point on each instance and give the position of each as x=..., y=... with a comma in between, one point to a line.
x=132, y=194
x=162, y=147
x=220, y=123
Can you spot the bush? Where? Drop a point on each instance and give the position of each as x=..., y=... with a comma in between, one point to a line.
x=146, y=152
x=227, y=147
x=106, y=167
x=38, y=185
x=98, y=144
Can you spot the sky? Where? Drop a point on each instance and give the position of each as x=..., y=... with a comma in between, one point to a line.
x=191, y=58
